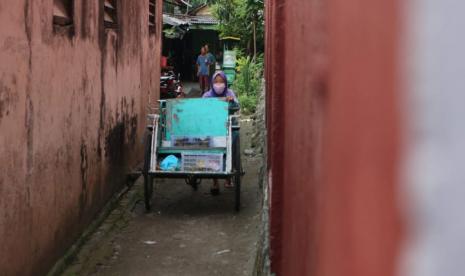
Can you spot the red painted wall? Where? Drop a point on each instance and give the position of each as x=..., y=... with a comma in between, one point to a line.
x=72, y=115
x=333, y=122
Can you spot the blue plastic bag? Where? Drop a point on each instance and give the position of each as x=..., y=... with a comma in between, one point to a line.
x=170, y=163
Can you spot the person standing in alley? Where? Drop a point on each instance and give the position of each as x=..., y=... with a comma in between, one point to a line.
x=203, y=65
x=212, y=60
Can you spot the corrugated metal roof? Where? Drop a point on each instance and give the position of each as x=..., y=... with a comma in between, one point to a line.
x=203, y=20
x=197, y=19
x=174, y=21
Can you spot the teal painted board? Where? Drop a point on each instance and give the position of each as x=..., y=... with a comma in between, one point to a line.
x=200, y=117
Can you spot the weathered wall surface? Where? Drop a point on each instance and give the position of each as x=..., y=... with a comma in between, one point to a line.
x=259, y=142
x=333, y=124
x=360, y=222
x=72, y=117
x=296, y=61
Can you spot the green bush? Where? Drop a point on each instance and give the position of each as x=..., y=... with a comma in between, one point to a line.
x=248, y=82
x=248, y=103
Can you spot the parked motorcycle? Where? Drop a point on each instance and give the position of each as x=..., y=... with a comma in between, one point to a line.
x=170, y=85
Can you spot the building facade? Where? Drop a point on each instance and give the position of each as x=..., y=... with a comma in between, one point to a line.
x=77, y=78
x=366, y=137
x=333, y=120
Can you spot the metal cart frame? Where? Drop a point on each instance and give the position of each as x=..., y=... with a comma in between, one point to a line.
x=153, y=146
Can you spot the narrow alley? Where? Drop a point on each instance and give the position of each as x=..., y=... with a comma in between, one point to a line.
x=328, y=136
x=186, y=233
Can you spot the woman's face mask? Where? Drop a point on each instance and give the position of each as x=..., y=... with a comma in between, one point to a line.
x=219, y=88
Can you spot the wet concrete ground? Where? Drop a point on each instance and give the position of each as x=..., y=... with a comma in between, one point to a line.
x=187, y=233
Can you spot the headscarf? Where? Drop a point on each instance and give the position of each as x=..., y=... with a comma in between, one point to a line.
x=226, y=89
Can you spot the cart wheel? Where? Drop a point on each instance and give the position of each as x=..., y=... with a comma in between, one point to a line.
x=148, y=179
x=238, y=174
x=194, y=182
x=148, y=191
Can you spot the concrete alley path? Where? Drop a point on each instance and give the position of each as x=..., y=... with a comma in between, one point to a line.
x=187, y=232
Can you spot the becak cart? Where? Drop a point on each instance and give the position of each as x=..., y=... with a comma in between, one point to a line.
x=193, y=139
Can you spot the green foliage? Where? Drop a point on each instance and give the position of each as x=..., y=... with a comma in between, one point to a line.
x=241, y=18
x=249, y=76
x=248, y=104
x=248, y=82
x=196, y=3
x=170, y=32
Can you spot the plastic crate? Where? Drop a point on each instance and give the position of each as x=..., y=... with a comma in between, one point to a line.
x=202, y=162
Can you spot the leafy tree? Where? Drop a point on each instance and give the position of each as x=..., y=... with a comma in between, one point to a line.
x=243, y=18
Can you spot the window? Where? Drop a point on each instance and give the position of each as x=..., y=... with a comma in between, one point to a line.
x=152, y=12
x=110, y=16
x=63, y=12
